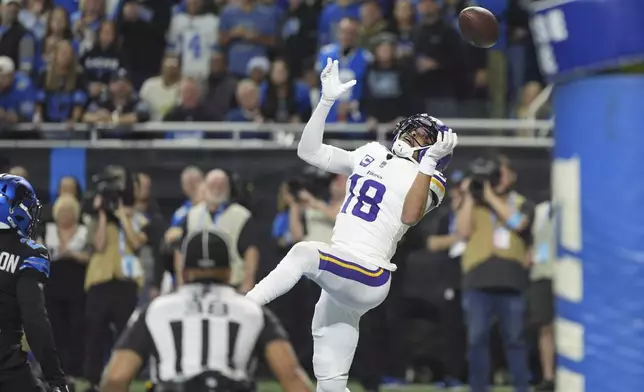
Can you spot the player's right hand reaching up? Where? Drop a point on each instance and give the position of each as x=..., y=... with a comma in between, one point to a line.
x=332, y=87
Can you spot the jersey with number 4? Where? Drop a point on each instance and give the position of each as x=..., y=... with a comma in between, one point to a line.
x=194, y=39
x=368, y=225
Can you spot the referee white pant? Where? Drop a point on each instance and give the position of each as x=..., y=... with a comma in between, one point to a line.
x=350, y=288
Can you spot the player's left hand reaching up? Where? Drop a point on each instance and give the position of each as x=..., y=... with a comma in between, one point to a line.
x=332, y=87
x=445, y=144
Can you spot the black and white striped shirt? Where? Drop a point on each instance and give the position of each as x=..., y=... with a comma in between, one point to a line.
x=203, y=329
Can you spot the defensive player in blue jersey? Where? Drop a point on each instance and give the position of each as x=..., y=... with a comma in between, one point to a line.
x=24, y=268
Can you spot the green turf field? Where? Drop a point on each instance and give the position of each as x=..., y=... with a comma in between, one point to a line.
x=271, y=386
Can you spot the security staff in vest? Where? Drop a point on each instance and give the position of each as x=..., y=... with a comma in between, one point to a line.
x=205, y=337
x=495, y=220
x=16, y=42
x=114, y=273
x=235, y=221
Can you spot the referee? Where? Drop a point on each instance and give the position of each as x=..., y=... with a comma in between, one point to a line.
x=206, y=336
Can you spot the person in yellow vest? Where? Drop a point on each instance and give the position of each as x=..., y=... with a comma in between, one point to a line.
x=114, y=276
x=232, y=220
x=495, y=221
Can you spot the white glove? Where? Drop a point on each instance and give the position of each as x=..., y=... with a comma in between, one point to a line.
x=332, y=88
x=445, y=143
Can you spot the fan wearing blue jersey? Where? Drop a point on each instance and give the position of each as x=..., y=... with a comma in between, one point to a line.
x=353, y=62
x=17, y=94
x=24, y=268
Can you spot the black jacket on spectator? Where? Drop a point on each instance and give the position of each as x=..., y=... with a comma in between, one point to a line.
x=220, y=96
x=443, y=44
x=299, y=37
x=132, y=105
x=387, y=92
x=181, y=114
x=144, y=40
x=10, y=42
x=100, y=64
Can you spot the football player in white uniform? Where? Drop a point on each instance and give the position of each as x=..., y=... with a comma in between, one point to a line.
x=387, y=192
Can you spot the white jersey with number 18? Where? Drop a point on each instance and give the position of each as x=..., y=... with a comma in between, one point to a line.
x=368, y=225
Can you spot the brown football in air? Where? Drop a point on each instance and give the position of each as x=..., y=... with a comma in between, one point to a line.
x=479, y=27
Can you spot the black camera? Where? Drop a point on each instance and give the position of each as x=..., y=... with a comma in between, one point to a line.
x=115, y=184
x=480, y=171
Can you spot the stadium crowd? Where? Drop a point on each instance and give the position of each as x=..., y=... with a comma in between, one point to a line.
x=120, y=62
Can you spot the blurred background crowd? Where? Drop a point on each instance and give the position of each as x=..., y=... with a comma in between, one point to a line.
x=120, y=62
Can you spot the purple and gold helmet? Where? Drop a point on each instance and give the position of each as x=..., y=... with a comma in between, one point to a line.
x=415, y=134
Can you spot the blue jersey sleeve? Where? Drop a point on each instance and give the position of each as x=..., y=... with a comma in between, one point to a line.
x=36, y=259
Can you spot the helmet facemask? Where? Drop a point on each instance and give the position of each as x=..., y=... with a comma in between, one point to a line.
x=415, y=135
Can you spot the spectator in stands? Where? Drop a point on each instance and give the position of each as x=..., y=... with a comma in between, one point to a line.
x=114, y=274
x=191, y=107
x=319, y=215
x=288, y=225
x=160, y=93
x=403, y=26
x=70, y=6
x=354, y=61
x=66, y=240
x=61, y=88
x=220, y=96
x=16, y=42
x=246, y=30
x=150, y=252
x=388, y=87
x=142, y=25
x=17, y=94
x=86, y=24
x=298, y=35
x=103, y=61
x=120, y=106
x=542, y=302
x=191, y=180
x=193, y=37
x=218, y=211
x=19, y=171
x=371, y=23
x=248, y=101
x=258, y=69
x=494, y=273
x=282, y=98
x=438, y=59
x=331, y=16
x=447, y=247
x=58, y=29
x=34, y=17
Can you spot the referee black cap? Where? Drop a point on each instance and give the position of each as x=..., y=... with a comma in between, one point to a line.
x=206, y=249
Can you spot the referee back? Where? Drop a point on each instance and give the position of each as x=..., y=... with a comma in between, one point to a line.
x=205, y=337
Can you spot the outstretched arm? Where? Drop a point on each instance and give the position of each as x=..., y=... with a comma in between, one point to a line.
x=311, y=149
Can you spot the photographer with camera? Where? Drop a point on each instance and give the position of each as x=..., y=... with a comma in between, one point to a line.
x=114, y=274
x=496, y=222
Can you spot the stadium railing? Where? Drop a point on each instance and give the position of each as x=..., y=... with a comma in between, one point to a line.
x=472, y=132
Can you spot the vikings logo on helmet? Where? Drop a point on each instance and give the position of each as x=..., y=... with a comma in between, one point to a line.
x=415, y=134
